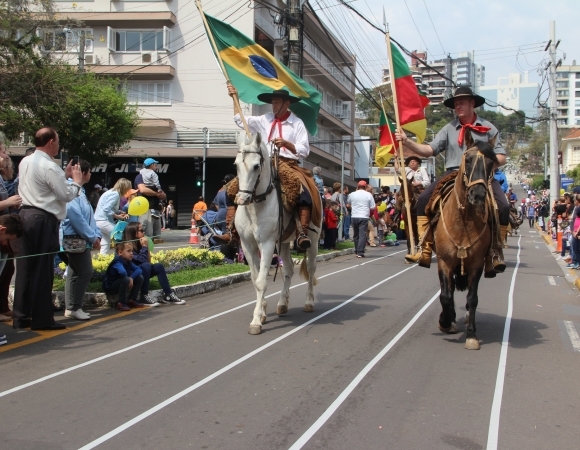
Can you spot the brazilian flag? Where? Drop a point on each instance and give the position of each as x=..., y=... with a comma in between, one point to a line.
x=254, y=71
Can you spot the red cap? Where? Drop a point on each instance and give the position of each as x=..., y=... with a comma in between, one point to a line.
x=362, y=183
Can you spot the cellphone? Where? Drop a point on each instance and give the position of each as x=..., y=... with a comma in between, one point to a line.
x=75, y=160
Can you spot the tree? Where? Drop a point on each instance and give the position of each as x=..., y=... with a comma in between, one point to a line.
x=38, y=89
x=368, y=111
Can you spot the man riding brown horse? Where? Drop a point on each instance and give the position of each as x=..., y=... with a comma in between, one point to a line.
x=451, y=140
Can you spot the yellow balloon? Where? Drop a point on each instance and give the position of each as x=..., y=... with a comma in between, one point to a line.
x=562, y=191
x=138, y=206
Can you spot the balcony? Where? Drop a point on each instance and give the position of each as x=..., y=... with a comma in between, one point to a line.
x=137, y=72
x=121, y=19
x=335, y=121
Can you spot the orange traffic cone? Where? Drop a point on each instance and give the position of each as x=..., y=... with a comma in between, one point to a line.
x=193, y=237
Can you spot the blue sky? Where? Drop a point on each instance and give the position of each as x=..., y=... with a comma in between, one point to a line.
x=508, y=36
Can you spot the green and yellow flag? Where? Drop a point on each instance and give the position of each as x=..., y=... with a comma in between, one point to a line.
x=254, y=71
x=386, y=145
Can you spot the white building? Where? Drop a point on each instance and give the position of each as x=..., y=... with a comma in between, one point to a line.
x=571, y=150
x=568, y=95
x=159, y=51
x=514, y=91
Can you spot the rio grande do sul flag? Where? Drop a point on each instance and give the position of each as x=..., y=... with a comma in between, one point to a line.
x=411, y=102
x=386, y=145
x=254, y=71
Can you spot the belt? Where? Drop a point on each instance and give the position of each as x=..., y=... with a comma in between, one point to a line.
x=73, y=236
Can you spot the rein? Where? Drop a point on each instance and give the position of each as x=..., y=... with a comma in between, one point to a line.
x=490, y=201
x=257, y=198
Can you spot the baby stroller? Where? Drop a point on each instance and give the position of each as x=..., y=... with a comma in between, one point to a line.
x=208, y=231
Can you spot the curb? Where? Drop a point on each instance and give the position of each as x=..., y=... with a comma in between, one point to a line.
x=100, y=299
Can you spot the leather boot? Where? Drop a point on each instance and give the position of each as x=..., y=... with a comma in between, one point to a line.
x=423, y=256
x=497, y=260
x=489, y=270
x=302, y=239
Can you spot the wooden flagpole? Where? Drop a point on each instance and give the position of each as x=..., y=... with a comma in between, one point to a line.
x=237, y=107
x=408, y=226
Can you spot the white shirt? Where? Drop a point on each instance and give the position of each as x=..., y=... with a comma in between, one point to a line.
x=42, y=184
x=419, y=175
x=361, y=203
x=293, y=130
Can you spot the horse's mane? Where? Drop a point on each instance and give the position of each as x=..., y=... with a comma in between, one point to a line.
x=487, y=150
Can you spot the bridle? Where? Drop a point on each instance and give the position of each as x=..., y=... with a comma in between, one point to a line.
x=469, y=182
x=257, y=198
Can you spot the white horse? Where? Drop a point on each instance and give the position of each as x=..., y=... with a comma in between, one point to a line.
x=258, y=224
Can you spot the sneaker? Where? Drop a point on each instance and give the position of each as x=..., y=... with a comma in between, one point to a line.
x=3, y=340
x=68, y=313
x=148, y=300
x=173, y=299
x=79, y=314
x=570, y=266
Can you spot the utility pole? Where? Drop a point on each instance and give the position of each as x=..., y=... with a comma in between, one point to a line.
x=294, y=36
x=205, y=142
x=546, y=161
x=554, y=166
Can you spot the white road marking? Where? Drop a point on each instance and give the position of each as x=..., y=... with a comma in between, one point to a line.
x=537, y=246
x=355, y=382
x=164, y=335
x=223, y=370
x=552, y=281
x=573, y=333
x=493, y=434
x=533, y=232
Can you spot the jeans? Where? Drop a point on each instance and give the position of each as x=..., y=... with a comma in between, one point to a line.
x=121, y=286
x=152, y=270
x=531, y=220
x=346, y=226
x=564, y=247
x=576, y=250
x=106, y=228
x=359, y=229
x=78, y=277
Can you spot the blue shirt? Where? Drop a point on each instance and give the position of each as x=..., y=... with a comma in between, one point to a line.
x=499, y=175
x=80, y=220
x=108, y=205
x=120, y=268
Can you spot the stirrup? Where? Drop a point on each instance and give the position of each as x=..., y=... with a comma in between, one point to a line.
x=303, y=241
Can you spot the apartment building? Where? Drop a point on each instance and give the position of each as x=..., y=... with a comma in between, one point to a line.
x=568, y=95
x=514, y=91
x=159, y=52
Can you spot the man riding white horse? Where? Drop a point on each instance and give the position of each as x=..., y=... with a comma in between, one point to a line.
x=451, y=140
x=287, y=132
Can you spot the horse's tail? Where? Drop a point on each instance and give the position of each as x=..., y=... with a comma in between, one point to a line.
x=304, y=271
x=461, y=281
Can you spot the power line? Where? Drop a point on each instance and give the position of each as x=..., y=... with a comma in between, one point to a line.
x=435, y=29
x=416, y=27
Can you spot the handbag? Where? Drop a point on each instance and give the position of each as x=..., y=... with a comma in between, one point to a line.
x=74, y=244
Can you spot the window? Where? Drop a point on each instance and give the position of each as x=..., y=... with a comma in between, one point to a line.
x=136, y=41
x=562, y=75
x=561, y=93
x=577, y=112
x=577, y=94
x=577, y=102
x=59, y=41
x=576, y=148
x=577, y=84
x=561, y=84
x=150, y=93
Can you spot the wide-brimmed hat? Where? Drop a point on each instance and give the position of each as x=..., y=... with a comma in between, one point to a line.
x=464, y=91
x=411, y=158
x=282, y=93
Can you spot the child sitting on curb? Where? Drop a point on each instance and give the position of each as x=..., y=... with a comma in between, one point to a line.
x=124, y=276
x=391, y=239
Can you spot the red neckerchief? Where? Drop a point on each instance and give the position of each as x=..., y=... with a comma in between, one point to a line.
x=279, y=122
x=478, y=128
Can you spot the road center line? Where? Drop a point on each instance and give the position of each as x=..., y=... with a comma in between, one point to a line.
x=164, y=335
x=355, y=382
x=223, y=370
x=493, y=434
x=573, y=333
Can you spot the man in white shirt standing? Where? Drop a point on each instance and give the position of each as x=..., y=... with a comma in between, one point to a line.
x=288, y=133
x=45, y=192
x=361, y=204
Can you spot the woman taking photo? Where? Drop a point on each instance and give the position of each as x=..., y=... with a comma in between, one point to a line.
x=108, y=211
x=135, y=234
x=79, y=224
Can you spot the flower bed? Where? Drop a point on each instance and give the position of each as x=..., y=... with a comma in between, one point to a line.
x=186, y=258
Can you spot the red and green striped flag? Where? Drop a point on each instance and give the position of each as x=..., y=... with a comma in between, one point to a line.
x=411, y=101
x=386, y=145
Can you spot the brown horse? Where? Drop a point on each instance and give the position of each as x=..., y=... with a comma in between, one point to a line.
x=463, y=235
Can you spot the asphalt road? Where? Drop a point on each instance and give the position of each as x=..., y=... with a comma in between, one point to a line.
x=368, y=369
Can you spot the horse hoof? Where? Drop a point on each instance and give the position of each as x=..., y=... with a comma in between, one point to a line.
x=472, y=344
x=450, y=330
x=255, y=329
x=308, y=308
x=282, y=309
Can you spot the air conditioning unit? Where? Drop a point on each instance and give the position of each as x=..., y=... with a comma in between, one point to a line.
x=146, y=58
x=91, y=60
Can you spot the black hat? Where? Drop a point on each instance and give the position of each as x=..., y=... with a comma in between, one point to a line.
x=464, y=91
x=282, y=93
x=410, y=158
